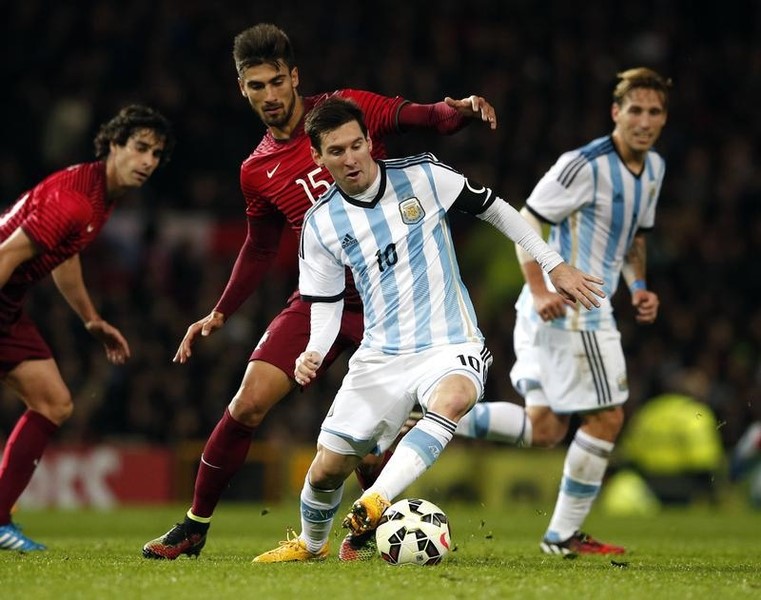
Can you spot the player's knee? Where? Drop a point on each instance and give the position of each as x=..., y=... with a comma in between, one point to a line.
x=547, y=429
x=248, y=409
x=452, y=403
x=58, y=407
x=547, y=436
x=328, y=474
x=605, y=425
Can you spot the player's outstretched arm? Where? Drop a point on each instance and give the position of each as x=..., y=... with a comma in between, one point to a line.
x=447, y=116
x=474, y=107
x=575, y=285
x=204, y=327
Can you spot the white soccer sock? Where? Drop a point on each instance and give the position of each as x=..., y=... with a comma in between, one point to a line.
x=416, y=451
x=583, y=471
x=497, y=422
x=318, y=507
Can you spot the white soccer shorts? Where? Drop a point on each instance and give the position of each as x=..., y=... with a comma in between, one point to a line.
x=380, y=390
x=578, y=371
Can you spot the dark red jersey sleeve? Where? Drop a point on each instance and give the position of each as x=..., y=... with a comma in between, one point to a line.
x=381, y=112
x=254, y=259
x=57, y=215
x=438, y=116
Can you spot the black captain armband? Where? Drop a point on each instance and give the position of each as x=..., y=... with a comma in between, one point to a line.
x=474, y=198
x=313, y=299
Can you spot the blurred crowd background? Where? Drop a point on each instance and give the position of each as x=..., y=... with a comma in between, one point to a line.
x=548, y=69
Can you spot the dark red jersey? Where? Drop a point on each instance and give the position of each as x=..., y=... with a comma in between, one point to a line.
x=280, y=175
x=62, y=215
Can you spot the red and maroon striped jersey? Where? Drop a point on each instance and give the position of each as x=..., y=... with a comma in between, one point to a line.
x=62, y=214
x=280, y=175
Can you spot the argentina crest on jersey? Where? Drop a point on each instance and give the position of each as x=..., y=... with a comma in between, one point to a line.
x=411, y=210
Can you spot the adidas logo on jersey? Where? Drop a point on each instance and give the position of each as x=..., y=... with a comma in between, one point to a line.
x=348, y=241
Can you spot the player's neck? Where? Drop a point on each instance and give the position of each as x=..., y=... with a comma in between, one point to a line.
x=114, y=189
x=633, y=159
x=285, y=132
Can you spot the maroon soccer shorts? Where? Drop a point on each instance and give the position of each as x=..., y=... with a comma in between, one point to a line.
x=22, y=342
x=288, y=333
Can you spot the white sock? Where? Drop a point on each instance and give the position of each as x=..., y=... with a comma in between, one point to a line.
x=416, y=451
x=583, y=471
x=497, y=422
x=318, y=507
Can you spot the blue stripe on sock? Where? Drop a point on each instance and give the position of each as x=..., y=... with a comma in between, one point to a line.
x=423, y=444
x=480, y=421
x=578, y=489
x=317, y=515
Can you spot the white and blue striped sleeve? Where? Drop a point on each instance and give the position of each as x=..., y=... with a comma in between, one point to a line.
x=564, y=189
x=321, y=276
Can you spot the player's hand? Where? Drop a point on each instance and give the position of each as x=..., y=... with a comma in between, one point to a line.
x=549, y=305
x=575, y=285
x=306, y=367
x=116, y=346
x=474, y=106
x=646, y=304
x=206, y=326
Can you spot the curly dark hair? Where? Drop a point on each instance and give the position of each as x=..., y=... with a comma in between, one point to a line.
x=129, y=120
x=262, y=44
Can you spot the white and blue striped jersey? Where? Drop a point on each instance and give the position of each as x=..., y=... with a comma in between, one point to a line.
x=595, y=206
x=400, y=251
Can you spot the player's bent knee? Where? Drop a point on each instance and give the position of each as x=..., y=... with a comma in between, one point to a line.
x=250, y=410
x=547, y=429
x=546, y=437
x=58, y=409
x=328, y=475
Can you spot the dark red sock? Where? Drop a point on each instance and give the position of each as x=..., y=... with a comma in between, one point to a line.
x=223, y=456
x=22, y=452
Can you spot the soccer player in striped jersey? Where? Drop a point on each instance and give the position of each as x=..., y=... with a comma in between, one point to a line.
x=280, y=182
x=599, y=201
x=387, y=222
x=44, y=232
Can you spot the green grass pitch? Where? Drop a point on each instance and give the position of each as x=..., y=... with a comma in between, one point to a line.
x=696, y=553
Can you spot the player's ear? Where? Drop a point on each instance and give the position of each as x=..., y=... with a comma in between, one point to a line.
x=316, y=157
x=295, y=76
x=369, y=143
x=241, y=88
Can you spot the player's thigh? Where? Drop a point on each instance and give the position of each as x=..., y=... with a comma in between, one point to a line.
x=435, y=385
x=263, y=386
x=582, y=370
x=19, y=342
x=41, y=387
x=287, y=335
x=371, y=406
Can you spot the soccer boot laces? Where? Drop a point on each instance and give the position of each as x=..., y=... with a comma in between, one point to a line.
x=292, y=549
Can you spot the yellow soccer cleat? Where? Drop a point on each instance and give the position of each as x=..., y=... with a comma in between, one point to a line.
x=365, y=514
x=292, y=549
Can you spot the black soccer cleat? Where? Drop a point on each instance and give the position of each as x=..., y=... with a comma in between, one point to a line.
x=175, y=542
x=579, y=543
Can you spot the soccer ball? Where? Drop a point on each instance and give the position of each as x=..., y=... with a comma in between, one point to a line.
x=413, y=532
